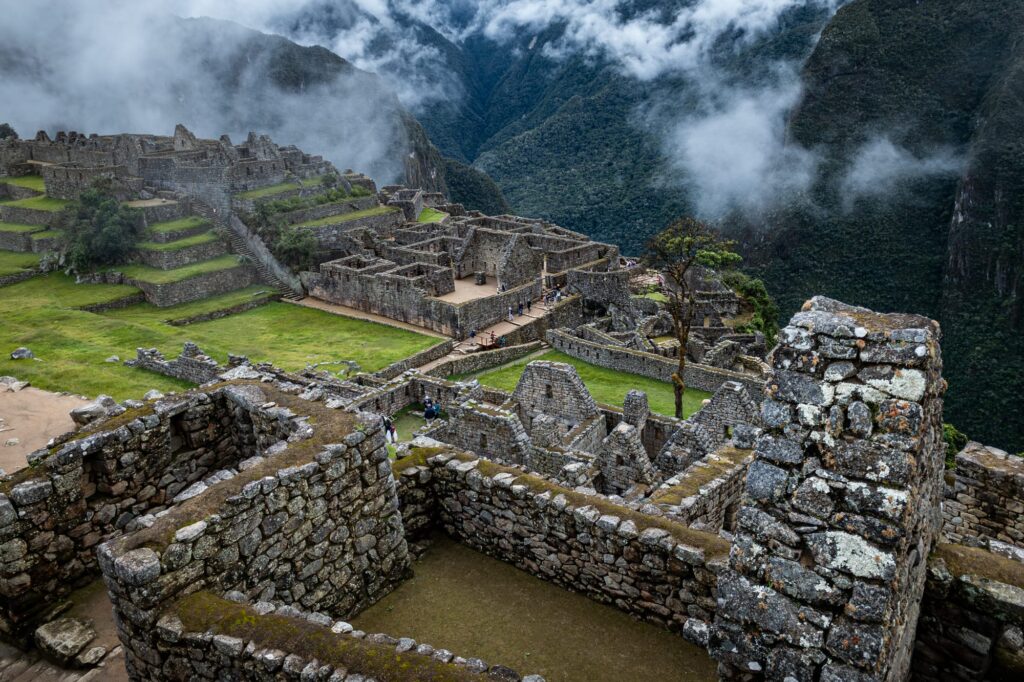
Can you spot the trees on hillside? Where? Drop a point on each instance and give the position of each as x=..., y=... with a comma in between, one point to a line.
x=674, y=252
x=98, y=229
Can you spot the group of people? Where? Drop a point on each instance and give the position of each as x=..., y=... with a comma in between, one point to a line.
x=553, y=296
x=431, y=410
x=523, y=307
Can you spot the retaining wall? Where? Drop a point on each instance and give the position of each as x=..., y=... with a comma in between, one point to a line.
x=486, y=359
x=697, y=376
x=177, y=258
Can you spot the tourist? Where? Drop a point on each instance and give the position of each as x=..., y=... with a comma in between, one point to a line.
x=502, y=341
x=529, y=305
x=520, y=310
x=472, y=334
x=389, y=429
x=492, y=337
x=510, y=317
x=394, y=433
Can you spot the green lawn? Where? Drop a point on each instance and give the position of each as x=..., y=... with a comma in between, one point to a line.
x=19, y=227
x=42, y=203
x=279, y=188
x=144, y=273
x=12, y=262
x=194, y=240
x=29, y=181
x=179, y=225
x=606, y=385
x=654, y=296
x=431, y=215
x=72, y=344
x=344, y=218
x=46, y=234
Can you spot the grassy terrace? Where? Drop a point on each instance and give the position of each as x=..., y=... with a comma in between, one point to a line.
x=46, y=234
x=195, y=240
x=179, y=225
x=42, y=203
x=431, y=215
x=19, y=227
x=12, y=263
x=71, y=344
x=146, y=313
x=28, y=181
x=606, y=385
x=144, y=273
x=346, y=217
x=279, y=188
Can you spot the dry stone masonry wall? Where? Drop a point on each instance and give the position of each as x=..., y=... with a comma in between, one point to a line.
x=827, y=568
x=985, y=497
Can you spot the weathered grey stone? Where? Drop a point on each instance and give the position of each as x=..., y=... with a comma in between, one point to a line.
x=64, y=638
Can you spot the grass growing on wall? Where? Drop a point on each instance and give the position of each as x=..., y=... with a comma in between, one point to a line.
x=431, y=215
x=38, y=203
x=608, y=386
x=346, y=217
x=145, y=273
x=72, y=345
x=27, y=181
x=179, y=225
x=12, y=262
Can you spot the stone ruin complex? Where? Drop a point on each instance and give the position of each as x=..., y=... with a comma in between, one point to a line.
x=808, y=533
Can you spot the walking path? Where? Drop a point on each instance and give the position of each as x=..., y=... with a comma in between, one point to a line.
x=345, y=311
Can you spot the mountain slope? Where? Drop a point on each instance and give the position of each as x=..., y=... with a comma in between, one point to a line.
x=932, y=77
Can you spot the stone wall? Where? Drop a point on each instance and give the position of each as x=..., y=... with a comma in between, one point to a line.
x=16, y=241
x=326, y=210
x=335, y=235
x=650, y=365
x=93, y=485
x=191, y=365
x=707, y=493
x=827, y=568
x=195, y=288
x=258, y=250
x=7, y=280
x=985, y=499
x=661, y=572
x=435, y=352
x=176, y=258
x=472, y=363
x=314, y=524
x=972, y=618
x=28, y=216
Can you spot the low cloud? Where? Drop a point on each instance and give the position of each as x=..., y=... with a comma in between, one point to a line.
x=880, y=166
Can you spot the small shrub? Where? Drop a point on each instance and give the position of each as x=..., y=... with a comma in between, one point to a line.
x=296, y=248
x=755, y=293
x=955, y=442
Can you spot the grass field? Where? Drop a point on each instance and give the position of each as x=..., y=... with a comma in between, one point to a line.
x=606, y=385
x=346, y=217
x=194, y=240
x=279, y=188
x=144, y=312
x=179, y=225
x=145, y=273
x=29, y=181
x=38, y=203
x=431, y=215
x=19, y=227
x=71, y=345
x=12, y=262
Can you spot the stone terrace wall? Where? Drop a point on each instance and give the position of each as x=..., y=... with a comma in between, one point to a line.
x=478, y=362
x=972, y=621
x=93, y=486
x=435, y=352
x=827, y=568
x=586, y=544
x=313, y=525
x=986, y=498
x=650, y=365
x=176, y=258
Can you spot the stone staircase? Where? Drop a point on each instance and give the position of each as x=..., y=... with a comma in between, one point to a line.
x=239, y=246
x=29, y=666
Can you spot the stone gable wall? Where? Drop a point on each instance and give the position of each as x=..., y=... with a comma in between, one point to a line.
x=985, y=499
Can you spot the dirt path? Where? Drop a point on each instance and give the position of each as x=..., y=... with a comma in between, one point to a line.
x=345, y=311
x=33, y=417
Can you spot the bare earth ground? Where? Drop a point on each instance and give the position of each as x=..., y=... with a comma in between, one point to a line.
x=345, y=311
x=33, y=417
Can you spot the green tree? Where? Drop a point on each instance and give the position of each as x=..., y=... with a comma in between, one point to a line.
x=98, y=229
x=7, y=132
x=674, y=252
x=766, y=313
x=296, y=247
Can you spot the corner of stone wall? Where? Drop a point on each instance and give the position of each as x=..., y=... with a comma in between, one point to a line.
x=841, y=505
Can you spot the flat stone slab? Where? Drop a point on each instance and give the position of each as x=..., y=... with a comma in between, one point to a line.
x=63, y=639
